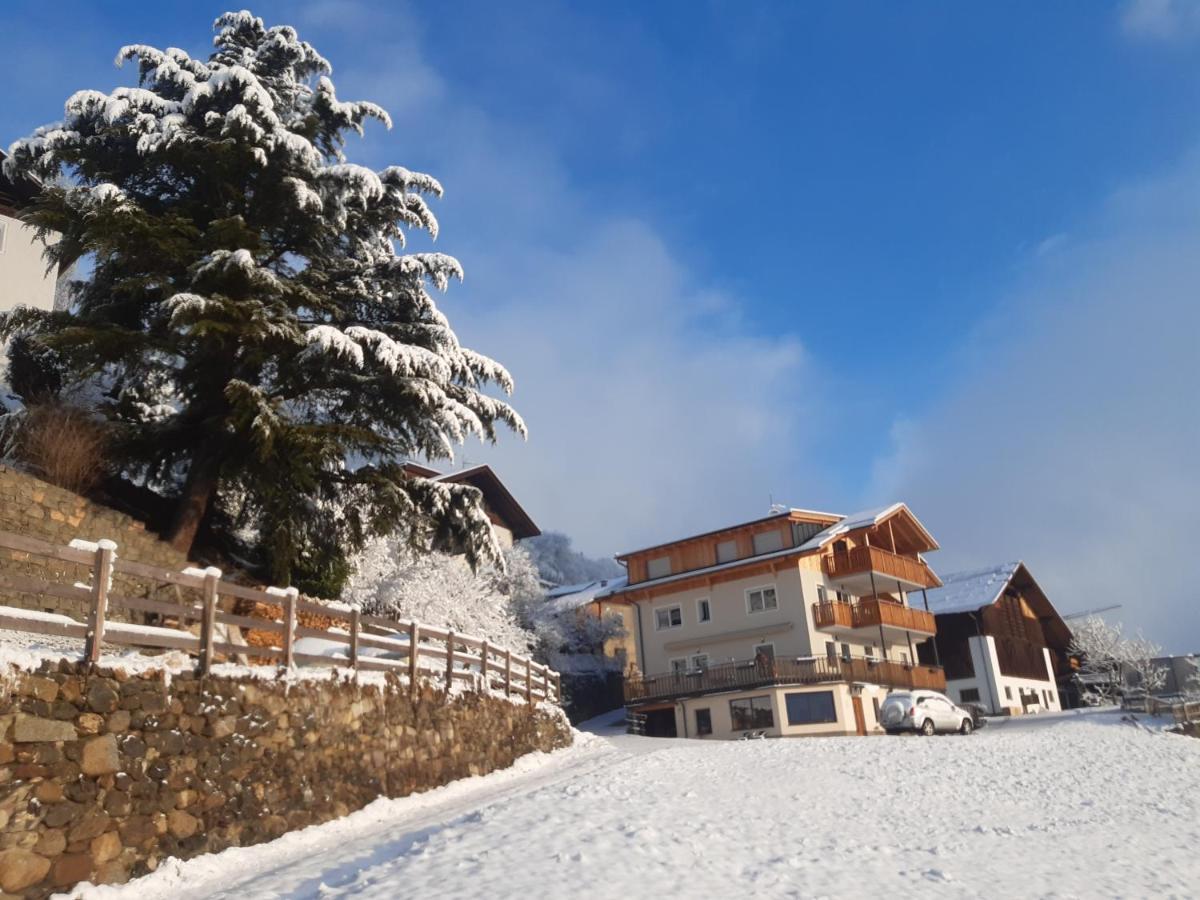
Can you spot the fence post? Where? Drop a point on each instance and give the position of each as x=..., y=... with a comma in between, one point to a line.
x=558, y=688
x=354, y=624
x=507, y=673
x=208, y=618
x=289, y=626
x=483, y=663
x=414, y=635
x=101, y=573
x=528, y=680
x=449, y=660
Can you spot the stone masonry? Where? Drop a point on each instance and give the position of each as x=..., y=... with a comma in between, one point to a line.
x=105, y=774
x=34, y=508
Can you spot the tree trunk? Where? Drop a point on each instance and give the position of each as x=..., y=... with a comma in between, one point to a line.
x=198, y=492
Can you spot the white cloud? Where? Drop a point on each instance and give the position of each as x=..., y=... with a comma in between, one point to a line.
x=1161, y=19
x=1070, y=436
x=652, y=409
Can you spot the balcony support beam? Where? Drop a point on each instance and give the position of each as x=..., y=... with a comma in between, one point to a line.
x=936, y=656
x=875, y=594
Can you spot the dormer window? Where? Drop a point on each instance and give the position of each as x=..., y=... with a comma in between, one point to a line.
x=658, y=567
x=767, y=542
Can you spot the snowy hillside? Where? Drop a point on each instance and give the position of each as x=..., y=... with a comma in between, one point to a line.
x=1069, y=805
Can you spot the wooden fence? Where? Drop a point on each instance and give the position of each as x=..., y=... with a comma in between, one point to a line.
x=1179, y=708
x=372, y=643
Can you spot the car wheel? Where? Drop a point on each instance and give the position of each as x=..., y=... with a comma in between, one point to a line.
x=927, y=728
x=967, y=727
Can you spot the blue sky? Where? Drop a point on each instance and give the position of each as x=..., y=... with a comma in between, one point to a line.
x=829, y=254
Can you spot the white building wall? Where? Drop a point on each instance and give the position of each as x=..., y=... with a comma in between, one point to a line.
x=733, y=632
x=23, y=278
x=1000, y=693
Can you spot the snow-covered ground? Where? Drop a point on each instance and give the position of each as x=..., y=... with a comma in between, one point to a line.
x=1068, y=805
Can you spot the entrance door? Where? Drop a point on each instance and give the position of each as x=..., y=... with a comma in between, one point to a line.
x=860, y=719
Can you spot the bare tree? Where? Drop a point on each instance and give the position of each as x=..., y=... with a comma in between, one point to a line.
x=1113, y=666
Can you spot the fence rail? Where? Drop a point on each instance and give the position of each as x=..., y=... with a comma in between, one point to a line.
x=372, y=643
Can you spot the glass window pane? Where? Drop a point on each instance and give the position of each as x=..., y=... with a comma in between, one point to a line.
x=809, y=709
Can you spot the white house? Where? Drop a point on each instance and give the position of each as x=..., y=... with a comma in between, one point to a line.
x=999, y=639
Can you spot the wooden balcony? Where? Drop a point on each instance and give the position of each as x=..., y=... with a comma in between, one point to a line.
x=750, y=674
x=869, y=570
x=869, y=613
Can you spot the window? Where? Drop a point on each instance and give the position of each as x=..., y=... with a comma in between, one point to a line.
x=767, y=542
x=668, y=617
x=703, y=610
x=679, y=666
x=1008, y=692
x=870, y=651
x=904, y=657
x=810, y=709
x=969, y=695
x=699, y=661
x=767, y=650
x=750, y=713
x=761, y=599
x=831, y=651
x=843, y=597
x=822, y=594
x=703, y=722
x=846, y=652
x=1050, y=698
x=875, y=703
x=657, y=568
x=727, y=551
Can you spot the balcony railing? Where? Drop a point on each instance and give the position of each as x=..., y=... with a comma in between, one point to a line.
x=858, y=560
x=750, y=674
x=871, y=612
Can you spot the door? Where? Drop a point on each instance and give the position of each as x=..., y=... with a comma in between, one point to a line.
x=860, y=720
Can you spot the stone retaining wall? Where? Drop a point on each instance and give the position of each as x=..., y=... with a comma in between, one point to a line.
x=34, y=508
x=104, y=775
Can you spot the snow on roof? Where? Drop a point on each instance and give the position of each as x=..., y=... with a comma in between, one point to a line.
x=573, y=596
x=863, y=519
x=972, y=590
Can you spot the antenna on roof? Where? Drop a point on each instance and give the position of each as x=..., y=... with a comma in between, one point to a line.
x=776, y=507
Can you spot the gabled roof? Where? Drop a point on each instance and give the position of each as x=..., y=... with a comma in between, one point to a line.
x=869, y=518
x=497, y=497
x=972, y=590
x=976, y=589
x=798, y=514
x=573, y=596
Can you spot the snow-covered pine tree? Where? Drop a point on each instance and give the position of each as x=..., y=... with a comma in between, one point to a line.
x=248, y=314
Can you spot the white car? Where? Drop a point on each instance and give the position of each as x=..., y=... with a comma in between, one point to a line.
x=925, y=712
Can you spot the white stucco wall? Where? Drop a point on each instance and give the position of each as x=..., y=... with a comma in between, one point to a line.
x=23, y=279
x=994, y=688
x=733, y=632
x=722, y=719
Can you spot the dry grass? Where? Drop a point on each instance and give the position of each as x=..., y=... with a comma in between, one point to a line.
x=64, y=445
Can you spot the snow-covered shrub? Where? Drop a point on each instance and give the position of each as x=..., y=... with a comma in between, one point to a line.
x=571, y=638
x=392, y=579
